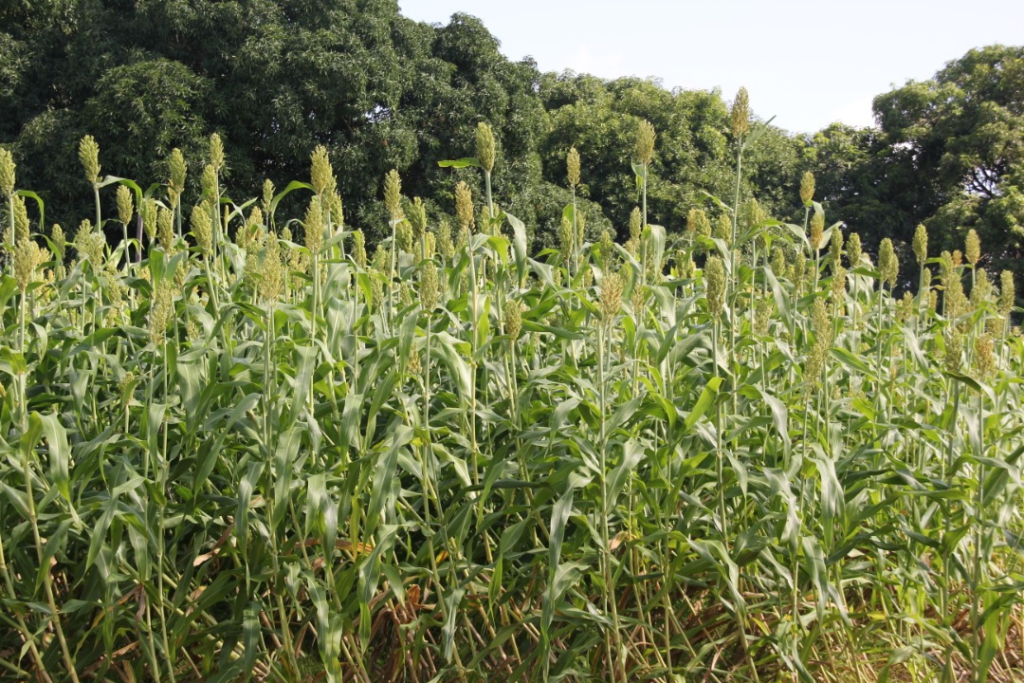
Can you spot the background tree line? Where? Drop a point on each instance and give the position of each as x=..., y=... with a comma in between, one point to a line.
x=277, y=77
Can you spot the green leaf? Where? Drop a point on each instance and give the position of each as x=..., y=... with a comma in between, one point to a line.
x=459, y=163
x=707, y=397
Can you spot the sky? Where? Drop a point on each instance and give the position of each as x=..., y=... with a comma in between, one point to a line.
x=807, y=63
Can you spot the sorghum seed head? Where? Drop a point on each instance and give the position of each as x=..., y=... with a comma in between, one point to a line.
x=638, y=301
x=611, y=296
x=645, y=137
x=763, y=316
x=981, y=290
x=314, y=225
x=125, y=204
x=271, y=283
x=973, y=247
x=7, y=175
x=403, y=236
x=393, y=194
x=807, y=188
x=208, y=181
x=89, y=156
x=176, y=181
x=753, y=213
x=778, y=261
x=888, y=264
x=444, y=240
x=958, y=258
x=634, y=223
x=89, y=244
x=817, y=230
x=201, y=227
x=799, y=266
x=714, y=283
x=255, y=217
x=697, y=222
x=905, y=309
x=58, y=239
x=321, y=174
x=216, y=153
x=513, y=320
x=835, y=248
x=485, y=146
x=359, y=248
x=723, y=228
x=838, y=282
x=336, y=208
x=1007, y=293
x=814, y=365
x=165, y=228
x=268, y=195
x=21, y=222
x=572, y=165
x=416, y=213
x=740, y=114
x=429, y=286
x=954, y=350
x=26, y=257
x=853, y=250
x=566, y=239
x=921, y=244
x=161, y=313
x=820, y=322
x=984, y=356
x=464, y=206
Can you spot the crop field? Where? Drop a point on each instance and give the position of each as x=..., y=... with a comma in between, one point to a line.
x=241, y=445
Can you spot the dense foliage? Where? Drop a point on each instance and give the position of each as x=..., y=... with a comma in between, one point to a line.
x=278, y=77
x=731, y=454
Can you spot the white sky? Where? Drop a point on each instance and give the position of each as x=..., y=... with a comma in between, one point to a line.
x=806, y=62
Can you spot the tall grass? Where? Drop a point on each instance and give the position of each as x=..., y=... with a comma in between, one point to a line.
x=251, y=456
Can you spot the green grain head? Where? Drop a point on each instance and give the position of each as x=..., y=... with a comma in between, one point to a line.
x=7, y=172
x=89, y=157
x=807, y=188
x=572, y=166
x=485, y=146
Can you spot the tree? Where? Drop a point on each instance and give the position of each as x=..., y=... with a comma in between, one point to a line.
x=275, y=78
x=959, y=139
x=694, y=153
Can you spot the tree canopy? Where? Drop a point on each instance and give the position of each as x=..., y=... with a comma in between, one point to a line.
x=948, y=152
x=275, y=78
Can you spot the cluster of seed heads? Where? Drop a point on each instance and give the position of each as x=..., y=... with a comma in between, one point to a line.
x=485, y=146
x=645, y=137
x=89, y=156
x=216, y=153
x=359, y=248
x=715, y=283
x=807, y=188
x=176, y=182
x=817, y=230
x=612, y=285
x=314, y=225
x=393, y=195
x=888, y=264
x=572, y=166
x=740, y=115
x=7, y=172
